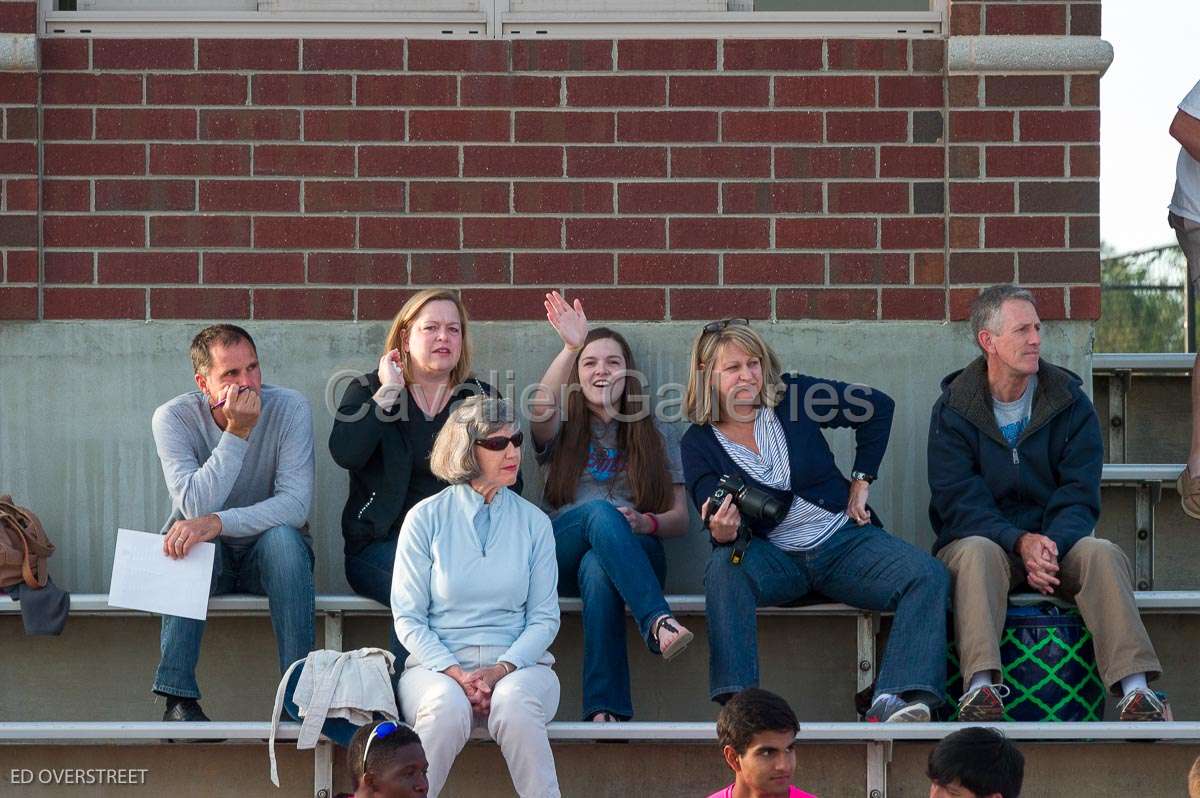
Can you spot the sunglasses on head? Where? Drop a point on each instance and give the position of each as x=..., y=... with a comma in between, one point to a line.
x=380, y=732
x=499, y=443
x=717, y=326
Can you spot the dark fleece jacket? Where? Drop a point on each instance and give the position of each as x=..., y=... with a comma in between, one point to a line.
x=1048, y=483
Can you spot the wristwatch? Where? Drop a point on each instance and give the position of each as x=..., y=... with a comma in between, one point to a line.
x=867, y=478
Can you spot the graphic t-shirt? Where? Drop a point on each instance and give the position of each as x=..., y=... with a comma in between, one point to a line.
x=603, y=474
x=1013, y=417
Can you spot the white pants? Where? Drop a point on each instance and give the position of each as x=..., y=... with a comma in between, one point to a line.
x=522, y=704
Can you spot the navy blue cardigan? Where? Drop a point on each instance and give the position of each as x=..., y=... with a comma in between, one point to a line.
x=815, y=475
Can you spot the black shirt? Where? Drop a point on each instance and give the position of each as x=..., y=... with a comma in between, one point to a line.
x=387, y=455
x=422, y=430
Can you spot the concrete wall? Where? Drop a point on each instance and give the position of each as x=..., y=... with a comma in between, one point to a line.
x=76, y=399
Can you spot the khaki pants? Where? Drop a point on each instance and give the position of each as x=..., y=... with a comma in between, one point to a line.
x=1095, y=574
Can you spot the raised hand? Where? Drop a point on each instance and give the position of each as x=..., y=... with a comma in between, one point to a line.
x=391, y=369
x=569, y=321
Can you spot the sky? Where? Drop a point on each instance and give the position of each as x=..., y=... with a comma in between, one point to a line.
x=1156, y=62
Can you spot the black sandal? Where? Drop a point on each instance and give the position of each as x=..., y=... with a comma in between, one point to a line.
x=676, y=646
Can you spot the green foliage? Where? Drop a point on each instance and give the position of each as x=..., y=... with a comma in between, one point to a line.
x=1142, y=301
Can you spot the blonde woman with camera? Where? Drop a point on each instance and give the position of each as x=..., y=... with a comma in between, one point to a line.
x=785, y=522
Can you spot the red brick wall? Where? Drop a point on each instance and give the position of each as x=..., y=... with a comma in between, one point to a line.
x=1024, y=156
x=687, y=179
x=18, y=176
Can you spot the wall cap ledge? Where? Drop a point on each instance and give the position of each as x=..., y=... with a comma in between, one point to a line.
x=1017, y=54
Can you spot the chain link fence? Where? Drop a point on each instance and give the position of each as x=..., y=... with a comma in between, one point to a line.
x=1146, y=304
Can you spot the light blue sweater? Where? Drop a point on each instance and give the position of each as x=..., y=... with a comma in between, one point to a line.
x=449, y=591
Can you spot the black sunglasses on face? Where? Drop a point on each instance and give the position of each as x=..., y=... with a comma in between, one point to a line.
x=499, y=443
x=717, y=326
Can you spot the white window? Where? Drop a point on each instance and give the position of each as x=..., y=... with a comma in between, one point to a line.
x=493, y=18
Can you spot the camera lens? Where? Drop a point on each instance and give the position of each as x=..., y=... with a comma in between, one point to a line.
x=761, y=505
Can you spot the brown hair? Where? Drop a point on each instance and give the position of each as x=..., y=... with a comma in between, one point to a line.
x=642, y=452
x=1194, y=780
x=752, y=712
x=701, y=394
x=404, y=319
x=217, y=334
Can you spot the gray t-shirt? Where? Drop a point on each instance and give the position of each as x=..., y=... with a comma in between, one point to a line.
x=604, y=474
x=251, y=485
x=1013, y=417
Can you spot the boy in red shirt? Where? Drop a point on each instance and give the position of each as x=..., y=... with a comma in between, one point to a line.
x=757, y=731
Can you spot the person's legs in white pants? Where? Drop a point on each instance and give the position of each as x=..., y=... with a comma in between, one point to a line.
x=437, y=708
x=522, y=704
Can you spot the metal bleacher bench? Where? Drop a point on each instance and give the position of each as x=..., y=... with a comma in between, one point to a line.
x=1147, y=479
x=877, y=738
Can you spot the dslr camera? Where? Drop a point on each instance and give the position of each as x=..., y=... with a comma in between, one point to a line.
x=752, y=503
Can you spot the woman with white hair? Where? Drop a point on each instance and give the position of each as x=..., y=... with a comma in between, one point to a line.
x=475, y=602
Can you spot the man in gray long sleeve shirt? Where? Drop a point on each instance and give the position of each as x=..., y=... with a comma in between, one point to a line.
x=238, y=460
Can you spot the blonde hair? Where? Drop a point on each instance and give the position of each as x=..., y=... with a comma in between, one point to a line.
x=453, y=457
x=1194, y=780
x=404, y=319
x=701, y=402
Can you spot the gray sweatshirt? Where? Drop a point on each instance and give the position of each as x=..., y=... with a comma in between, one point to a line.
x=252, y=485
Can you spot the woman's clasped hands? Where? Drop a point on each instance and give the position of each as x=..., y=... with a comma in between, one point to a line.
x=478, y=684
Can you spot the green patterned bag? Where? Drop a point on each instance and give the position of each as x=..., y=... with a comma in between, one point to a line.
x=1049, y=667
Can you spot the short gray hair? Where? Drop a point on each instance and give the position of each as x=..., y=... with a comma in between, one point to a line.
x=985, y=310
x=453, y=457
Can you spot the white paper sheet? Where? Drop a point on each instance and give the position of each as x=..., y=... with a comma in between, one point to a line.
x=143, y=578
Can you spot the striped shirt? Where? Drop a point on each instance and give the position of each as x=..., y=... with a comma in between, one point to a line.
x=806, y=525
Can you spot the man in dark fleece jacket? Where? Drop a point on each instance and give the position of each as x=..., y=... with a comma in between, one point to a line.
x=1014, y=469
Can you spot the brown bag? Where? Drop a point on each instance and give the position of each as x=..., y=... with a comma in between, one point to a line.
x=24, y=547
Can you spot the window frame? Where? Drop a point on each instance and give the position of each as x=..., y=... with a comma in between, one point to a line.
x=495, y=20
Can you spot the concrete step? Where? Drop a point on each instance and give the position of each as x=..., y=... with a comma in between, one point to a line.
x=102, y=667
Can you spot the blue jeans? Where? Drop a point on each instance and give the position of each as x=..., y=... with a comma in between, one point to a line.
x=603, y=561
x=861, y=566
x=278, y=565
x=370, y=575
